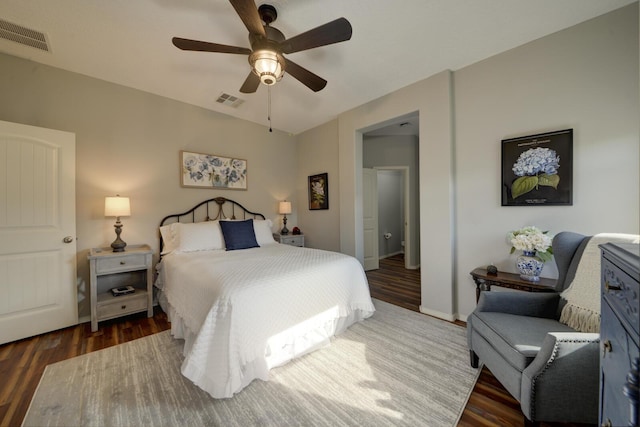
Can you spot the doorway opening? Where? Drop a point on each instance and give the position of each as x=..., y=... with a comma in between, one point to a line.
x=391, y=150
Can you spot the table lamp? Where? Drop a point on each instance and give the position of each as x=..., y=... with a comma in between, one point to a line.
x=117, y=206
x=284, y=209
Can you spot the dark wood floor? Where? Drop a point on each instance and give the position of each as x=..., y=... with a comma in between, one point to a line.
x=23, y=362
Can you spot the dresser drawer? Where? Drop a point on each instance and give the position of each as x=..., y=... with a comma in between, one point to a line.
x=121, y=263
x=617, y=353
x=620, y=290
x=111, y=307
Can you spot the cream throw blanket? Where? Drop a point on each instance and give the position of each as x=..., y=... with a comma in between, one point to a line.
x=582, y=311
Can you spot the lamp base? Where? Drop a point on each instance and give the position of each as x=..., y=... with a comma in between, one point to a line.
x=118, y=245
x=284, y=230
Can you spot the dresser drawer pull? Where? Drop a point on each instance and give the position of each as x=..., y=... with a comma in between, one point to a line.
x=122, y=262
x=123, y=307
x=606, y=347
x=609, y=287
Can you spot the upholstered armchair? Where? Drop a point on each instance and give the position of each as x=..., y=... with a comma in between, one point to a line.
x=552, y=370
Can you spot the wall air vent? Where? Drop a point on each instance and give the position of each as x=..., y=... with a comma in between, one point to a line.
x=229, y=100
x=25, y=36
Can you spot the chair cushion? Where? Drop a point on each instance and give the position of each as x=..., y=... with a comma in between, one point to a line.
x=517, y=338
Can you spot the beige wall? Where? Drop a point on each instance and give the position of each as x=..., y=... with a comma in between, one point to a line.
x=128, y=142
x=318, y=153
x=585, y=78
x=432, y=99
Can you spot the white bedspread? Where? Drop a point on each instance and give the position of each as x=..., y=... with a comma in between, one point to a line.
x=243, y=312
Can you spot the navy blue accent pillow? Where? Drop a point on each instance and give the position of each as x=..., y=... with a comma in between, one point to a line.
x=239, y=234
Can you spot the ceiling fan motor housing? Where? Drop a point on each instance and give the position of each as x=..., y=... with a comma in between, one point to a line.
x=266, y=60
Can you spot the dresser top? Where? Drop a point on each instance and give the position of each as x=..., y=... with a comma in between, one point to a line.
x=625, y=254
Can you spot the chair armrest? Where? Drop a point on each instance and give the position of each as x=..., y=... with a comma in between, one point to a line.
x=520, y=303
x=562, y=382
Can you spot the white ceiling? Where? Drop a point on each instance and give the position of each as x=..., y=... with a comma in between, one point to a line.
x=394, y=44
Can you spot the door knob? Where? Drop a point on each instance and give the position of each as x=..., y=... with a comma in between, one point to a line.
x=68, y=239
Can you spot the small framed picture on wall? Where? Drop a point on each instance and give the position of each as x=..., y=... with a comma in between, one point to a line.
x=319, y=191
x=537, y=170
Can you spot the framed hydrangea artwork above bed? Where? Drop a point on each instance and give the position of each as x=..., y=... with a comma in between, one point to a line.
x=212, y=171
x=537, y=170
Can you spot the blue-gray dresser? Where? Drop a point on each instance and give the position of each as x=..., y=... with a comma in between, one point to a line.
x=619, y=334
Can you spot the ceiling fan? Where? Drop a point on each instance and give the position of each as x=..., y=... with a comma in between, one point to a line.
x=268, y=45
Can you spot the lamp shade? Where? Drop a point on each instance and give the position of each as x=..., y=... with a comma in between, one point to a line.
x=284, y=208
x=117, y=206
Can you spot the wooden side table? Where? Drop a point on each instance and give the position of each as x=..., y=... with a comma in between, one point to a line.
x=484, y=281
x=116, y=269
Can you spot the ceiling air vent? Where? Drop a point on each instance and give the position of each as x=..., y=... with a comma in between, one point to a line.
x=229, y=100
x=25, y=36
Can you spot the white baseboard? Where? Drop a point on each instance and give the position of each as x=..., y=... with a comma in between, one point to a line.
x=390, y=255
x=444, y=316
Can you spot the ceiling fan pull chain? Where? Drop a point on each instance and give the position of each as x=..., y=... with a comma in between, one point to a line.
x=269, y=107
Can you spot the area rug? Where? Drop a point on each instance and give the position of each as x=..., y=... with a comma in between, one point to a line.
x=397, y=368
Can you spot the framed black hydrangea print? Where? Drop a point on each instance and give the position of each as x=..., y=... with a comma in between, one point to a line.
x=537, y=170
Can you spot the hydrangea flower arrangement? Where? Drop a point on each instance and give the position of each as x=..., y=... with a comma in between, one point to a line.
x=531, y=239
x=535, y=167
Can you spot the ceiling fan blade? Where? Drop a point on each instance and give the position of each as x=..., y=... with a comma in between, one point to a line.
x=251, y=84
x=306, y=77
x=248, y=12
x=187, y=44
x=335, y=31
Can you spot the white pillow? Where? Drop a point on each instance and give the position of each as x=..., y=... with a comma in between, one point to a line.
x=262, y=229
x=199, y=236
x=169, y=240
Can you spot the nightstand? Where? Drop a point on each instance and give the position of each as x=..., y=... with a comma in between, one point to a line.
x=110, y=270
x=290, y=239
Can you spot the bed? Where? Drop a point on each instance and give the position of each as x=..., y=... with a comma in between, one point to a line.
x=244, y=303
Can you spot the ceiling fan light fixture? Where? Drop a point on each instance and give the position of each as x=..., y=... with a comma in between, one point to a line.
x=268, y=65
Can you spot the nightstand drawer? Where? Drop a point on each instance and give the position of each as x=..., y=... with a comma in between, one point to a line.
x=290, y=239
x=121, y=263
x=118, y=306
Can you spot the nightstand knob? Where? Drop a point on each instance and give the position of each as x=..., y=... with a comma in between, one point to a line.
x=122, y=263
x=123, y=307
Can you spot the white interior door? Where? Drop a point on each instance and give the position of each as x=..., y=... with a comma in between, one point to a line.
x=37, y=231
x=370, y=218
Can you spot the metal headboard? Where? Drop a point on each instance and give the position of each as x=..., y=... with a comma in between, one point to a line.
x=201, y=213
